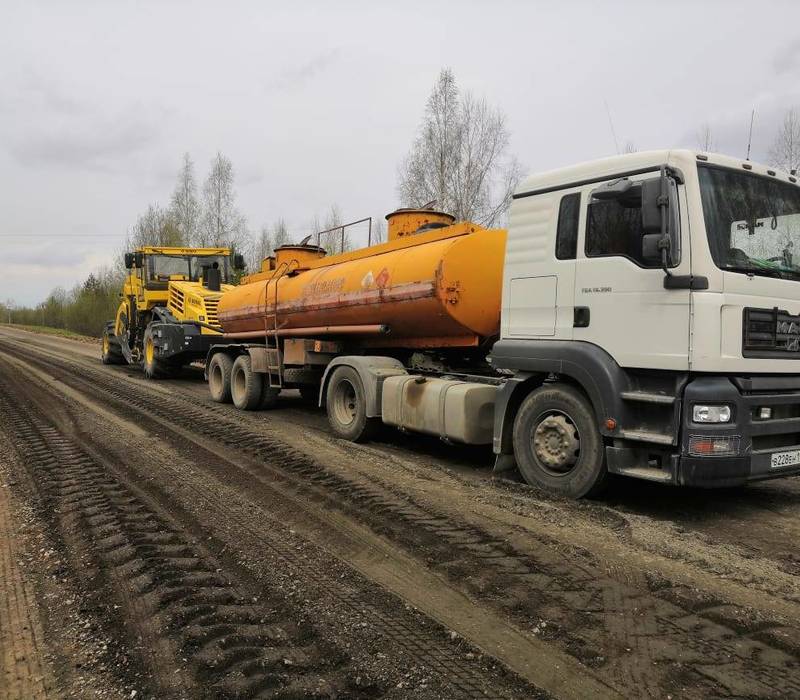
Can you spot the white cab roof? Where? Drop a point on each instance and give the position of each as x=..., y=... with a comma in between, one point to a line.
x=590, y=170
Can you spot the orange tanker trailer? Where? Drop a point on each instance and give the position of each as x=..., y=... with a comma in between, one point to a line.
x=339, y=328
x=434, y=284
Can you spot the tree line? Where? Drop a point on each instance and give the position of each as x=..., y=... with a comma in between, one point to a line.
x=459, y=162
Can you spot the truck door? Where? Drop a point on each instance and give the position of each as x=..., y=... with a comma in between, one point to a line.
x=628, y=312
x=539, y=288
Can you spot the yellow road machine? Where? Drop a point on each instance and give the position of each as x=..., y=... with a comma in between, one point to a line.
x=167, y=316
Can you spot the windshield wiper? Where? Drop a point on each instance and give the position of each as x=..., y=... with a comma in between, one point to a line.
x=756, y=270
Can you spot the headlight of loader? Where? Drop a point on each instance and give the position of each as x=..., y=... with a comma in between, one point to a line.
x=711, y=414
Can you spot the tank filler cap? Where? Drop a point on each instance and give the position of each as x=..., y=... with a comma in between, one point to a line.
x=408, y=221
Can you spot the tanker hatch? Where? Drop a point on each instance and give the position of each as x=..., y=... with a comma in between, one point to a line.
x=407, y=222
x=298, y=256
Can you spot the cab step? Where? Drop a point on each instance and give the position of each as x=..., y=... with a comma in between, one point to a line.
x=648, y=397
x=646, y=436
x=647, y=473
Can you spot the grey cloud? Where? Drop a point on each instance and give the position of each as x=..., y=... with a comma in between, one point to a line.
x=81, y=145
x=297, y=76
x=47, y=254
x=787, y=58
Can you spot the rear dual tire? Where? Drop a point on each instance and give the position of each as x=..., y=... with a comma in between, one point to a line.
x=248, y=390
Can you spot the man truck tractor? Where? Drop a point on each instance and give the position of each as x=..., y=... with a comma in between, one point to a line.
x=167, y=316
x=640, y=316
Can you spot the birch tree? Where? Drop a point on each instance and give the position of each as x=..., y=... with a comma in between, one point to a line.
x=785, y=151
x=705, y=138
x=155, y=227
x=335, y=240
x=222, y=224
x=269, y=238
x=185, y=207
x=460, y=157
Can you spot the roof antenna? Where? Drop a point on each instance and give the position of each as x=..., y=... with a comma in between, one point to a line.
x=750, y=137
x=611, y=124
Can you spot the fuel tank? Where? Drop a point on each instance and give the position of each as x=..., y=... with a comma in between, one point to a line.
x=436, y=287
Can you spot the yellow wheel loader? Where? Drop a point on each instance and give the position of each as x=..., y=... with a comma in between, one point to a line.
x=167, y=316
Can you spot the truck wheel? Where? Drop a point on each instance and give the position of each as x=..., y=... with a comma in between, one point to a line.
x=346, y=404
x=111, y=352
x=154, y=368
x=219, y=378
x=557, y=444
x=246, y=385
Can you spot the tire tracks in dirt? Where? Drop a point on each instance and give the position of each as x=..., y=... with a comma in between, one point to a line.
x=693, y=646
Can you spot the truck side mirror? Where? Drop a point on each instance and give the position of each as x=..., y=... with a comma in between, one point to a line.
x=651, y=211
x=238, y=261
x=128, y=261
x=138, y=258
x=651, y=249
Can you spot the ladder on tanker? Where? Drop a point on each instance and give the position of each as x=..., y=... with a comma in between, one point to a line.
x=271, y=339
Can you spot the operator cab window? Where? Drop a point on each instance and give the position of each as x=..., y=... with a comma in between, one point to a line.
x=567, y=231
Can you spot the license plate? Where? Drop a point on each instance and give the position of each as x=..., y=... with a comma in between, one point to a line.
x=785, y=459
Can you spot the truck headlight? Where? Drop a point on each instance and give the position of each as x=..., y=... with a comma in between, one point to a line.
x=711, y=414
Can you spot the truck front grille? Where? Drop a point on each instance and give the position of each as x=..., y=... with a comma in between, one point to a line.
x=770, y=333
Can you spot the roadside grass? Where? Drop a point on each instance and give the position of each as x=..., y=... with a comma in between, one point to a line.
x=47, y=330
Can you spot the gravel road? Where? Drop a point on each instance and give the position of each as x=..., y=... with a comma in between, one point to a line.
x=158, y=545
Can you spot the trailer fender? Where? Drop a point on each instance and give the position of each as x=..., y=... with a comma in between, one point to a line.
x=372, y=370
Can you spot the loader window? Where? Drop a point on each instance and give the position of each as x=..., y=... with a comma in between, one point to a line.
x=567, y=232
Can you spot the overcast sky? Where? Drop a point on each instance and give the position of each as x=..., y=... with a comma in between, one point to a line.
x=317, y=103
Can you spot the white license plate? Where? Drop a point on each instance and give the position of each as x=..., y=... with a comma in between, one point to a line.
x=785, y=459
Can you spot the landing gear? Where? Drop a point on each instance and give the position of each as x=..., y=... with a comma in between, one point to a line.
x=557, y=444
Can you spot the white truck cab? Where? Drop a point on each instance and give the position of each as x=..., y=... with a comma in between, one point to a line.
x=651, y=323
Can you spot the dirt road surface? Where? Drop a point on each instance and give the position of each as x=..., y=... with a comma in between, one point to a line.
x=155, y=544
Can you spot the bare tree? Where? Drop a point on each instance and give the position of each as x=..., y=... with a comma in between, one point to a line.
x=332, y=237
x=785, y=151
x=222, y=224
x=459, y=158
x=267, y=241
x=378, y=230
x=155, y=227
x=184, y=207
x=705, y=138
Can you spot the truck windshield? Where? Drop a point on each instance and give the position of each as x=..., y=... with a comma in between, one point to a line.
x=752, y=222
x=162, y=267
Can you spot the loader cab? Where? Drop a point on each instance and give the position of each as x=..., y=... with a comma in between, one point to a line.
x=153, y=268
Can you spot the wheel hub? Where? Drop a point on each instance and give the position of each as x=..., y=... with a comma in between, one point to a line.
x=556, y=443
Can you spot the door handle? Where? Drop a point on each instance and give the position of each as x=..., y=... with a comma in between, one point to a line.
x=581, y=317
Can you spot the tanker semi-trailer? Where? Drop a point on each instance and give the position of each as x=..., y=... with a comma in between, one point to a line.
x=638, y=317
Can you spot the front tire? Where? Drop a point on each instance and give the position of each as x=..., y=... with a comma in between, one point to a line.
x=154, y=367
x=557, y=444
x=111, y=353
x=246, y=385
x=345, y=401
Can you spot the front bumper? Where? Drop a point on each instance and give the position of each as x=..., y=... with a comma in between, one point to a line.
x=184, y=341
x=758, y=439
